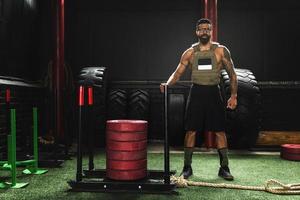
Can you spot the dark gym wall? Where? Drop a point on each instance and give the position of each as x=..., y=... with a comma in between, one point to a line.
x=46, y=36
x=137, y=40
x=143, y=40
x=262, y=36
x=18, y=38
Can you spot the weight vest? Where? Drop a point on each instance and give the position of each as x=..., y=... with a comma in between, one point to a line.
x=204, y=66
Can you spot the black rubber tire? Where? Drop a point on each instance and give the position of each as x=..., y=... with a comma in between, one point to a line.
x=95, y=74
x=243, y=123
x=138, y=105
x=117, y=104
x=176, y=109
x=98, y=77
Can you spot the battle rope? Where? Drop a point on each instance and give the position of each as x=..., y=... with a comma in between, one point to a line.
x=272, y=186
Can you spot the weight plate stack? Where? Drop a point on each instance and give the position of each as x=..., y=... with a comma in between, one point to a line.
x=126, y=149
x=290, y=152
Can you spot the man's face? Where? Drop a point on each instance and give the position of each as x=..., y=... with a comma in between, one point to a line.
x=204, y=33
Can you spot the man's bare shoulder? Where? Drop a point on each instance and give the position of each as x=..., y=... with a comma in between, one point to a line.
x=189, y=52
x=221, y=48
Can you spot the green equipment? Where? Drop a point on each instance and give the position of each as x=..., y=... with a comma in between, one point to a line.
x=11, y=164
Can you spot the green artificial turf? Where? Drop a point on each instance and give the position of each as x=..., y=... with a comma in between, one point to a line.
x=247, y=169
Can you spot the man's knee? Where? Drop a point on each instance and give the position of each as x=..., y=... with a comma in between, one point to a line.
x=221, y=140
x=220, y=134
x=190, y=138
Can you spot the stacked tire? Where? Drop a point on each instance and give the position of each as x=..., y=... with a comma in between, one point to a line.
x=243, y=123
x=138, y=105
x=134, y=104
x=176, y=109
x=117, y=104
x=97, y=77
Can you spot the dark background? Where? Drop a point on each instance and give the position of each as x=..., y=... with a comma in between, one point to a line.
x=19, y=30
x=143, y=40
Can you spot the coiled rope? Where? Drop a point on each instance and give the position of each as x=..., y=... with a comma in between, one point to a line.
x=271, y=186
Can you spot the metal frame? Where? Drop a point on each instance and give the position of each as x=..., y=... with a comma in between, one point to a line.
x=92, y=180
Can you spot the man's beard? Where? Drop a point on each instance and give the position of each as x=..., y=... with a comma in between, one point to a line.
x=204, y=39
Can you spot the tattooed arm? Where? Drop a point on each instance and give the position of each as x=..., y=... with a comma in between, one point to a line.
x=228, y=64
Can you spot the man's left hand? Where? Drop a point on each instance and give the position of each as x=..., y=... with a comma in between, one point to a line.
x=232, y=103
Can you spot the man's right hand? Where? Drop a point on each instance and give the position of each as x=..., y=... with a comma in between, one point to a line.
x=162, y=87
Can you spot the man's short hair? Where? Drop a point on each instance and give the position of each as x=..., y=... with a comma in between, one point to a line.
x=203, y=21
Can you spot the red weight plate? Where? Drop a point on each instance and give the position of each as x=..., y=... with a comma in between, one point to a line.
x=126, y=136
x=126, y=125
x=126, y=165
x=289, y=156
x=291, y=148
x=126, y=146
x=126, y=175
x=126, y=155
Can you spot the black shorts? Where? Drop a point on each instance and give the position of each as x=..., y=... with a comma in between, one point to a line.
x=205, y=109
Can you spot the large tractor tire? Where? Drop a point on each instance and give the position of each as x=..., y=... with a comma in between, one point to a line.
x=117, y=104
x=243, y=123
x=138, y=105
x=98, y=75
x=176, y=109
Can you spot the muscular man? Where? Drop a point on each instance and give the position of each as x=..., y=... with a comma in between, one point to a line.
x=205, y=110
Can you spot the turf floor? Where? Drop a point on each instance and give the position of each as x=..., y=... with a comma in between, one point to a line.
x=247, y=169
